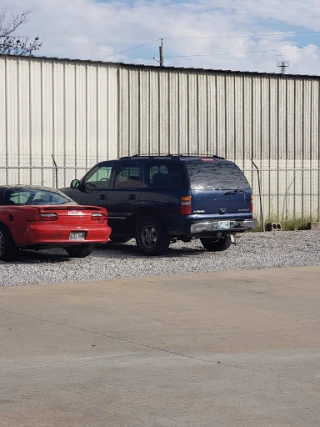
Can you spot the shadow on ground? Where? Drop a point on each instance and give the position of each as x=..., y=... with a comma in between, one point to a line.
x=110, y=250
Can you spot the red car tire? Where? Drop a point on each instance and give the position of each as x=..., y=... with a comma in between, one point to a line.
x=8, y=249
x=80, y=251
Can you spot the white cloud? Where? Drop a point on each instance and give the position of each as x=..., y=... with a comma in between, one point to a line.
x=87, y=29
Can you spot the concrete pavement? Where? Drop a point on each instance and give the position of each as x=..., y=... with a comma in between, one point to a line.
x=233, y=349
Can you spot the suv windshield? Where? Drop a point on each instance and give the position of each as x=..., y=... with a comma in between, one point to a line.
x=215, y=174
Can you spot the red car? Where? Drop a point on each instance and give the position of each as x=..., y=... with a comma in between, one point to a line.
x=39, y=217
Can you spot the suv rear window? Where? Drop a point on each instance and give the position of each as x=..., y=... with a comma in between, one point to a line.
x=212, y=174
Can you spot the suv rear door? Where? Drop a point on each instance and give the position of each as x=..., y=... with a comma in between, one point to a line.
x=164, y=184
x=218, y=187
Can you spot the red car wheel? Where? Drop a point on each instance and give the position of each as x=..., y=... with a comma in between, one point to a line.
x=8, y=249
x=80, y=251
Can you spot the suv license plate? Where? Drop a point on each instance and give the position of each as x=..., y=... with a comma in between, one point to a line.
x=223, y=225
x=77, y=235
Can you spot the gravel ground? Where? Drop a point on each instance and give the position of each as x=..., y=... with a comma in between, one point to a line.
x=252, y=251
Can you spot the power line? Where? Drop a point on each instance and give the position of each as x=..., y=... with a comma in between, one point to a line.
x=244, y=36
x=231, y=53
x=213, y=37
x=132, y=48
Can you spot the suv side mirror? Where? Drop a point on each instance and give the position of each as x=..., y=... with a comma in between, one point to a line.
x=75, y=183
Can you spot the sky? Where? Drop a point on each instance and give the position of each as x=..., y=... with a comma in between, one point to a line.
x=238, y=35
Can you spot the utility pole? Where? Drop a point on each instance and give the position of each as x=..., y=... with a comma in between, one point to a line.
x=282, y=65
x=161, y=54
x=161, y=60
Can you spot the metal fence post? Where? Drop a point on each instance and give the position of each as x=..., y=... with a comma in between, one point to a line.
x=260, y=196
x=56, y=170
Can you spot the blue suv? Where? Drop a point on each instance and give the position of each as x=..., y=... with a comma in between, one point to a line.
x=160, y=199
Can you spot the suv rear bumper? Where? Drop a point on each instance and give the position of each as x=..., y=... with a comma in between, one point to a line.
x=205, y=227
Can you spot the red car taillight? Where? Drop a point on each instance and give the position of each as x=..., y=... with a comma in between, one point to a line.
x=251, y=204
x=98, y=216
x=186, y=205
x=44, y=216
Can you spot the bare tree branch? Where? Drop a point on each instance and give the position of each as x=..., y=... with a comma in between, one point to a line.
x=12, y=44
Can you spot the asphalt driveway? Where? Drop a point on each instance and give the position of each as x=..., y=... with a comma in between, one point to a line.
x=240, y=348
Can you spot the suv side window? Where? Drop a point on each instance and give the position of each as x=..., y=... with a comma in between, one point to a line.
x=128, y=176
x=99, y=177
x=162, y=174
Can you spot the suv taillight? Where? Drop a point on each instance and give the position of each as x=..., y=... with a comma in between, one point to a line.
x=186, y=205
x=251, y=204
x=47, y=216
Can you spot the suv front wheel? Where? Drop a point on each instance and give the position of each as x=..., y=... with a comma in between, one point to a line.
x=217, y=245
x=151, y=236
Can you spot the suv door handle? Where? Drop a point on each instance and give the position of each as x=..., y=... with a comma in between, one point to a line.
x=102, y=197
x=132, y=197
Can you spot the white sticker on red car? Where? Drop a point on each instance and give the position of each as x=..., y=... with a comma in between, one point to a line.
x=75, y=213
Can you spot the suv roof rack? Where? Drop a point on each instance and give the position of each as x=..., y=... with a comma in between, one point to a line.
x=170, y=156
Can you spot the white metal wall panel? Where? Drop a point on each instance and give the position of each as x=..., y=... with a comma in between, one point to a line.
x=134, y=112
x=183, y=113
x=212, y=115
x=164, y=112
x=282, y=116
x=192, y=119
x=273, y=143
x=82, y=112
x=173, y=115
x=307, y=121
x=221, y=115
x=47, y=114
x=144, y=116
x=3, y=121
x=231, y=147
x=64, y=109
x=265, y=122
x=238, y=116
x=290, y=122
x=202, y=120
x=70, y=131
x=91, y=128
x=58, y=111
x=298, y=118
x=256, y=120
x=35, y=119
x=247, y=121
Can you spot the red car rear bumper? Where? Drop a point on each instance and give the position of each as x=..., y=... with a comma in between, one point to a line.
x=40, y=234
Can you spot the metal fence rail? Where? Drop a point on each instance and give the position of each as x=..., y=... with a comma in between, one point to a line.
x=280, y=194
x=285, y=194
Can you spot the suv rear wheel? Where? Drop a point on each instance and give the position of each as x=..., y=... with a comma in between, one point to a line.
x=151, y=236
x=217, y=245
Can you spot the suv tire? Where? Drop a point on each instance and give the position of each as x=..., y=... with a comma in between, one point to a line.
x=212, y=245
x=151, y=236
x=81, y=251
x=119, y=239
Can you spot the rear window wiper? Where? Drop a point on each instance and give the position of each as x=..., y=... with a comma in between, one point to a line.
x=233, y=192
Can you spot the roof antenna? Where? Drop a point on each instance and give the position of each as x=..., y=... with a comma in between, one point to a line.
x=282, y=65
